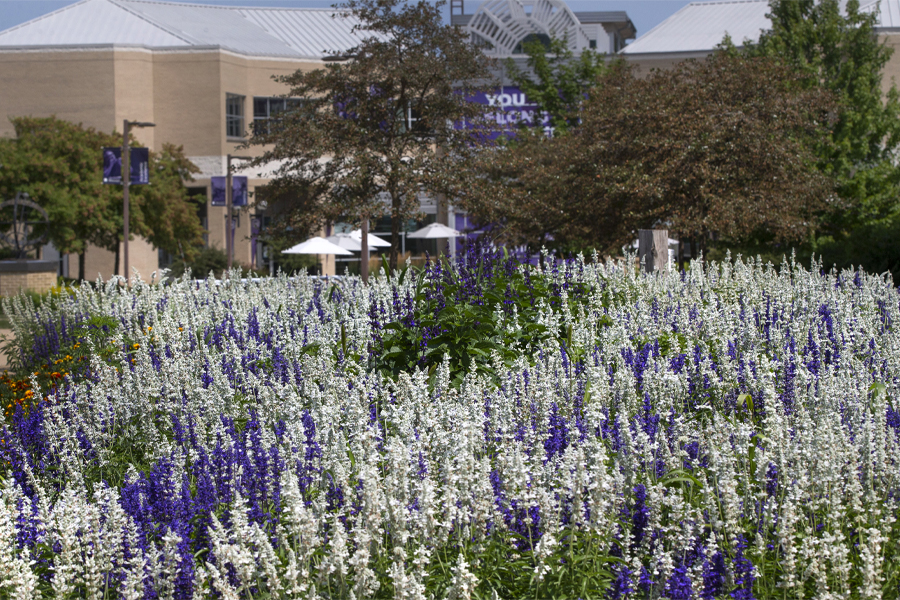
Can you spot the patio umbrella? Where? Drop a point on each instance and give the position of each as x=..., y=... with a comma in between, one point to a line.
x=345, y=241
x=374, y=240
x=434, y=231
x=316, y=245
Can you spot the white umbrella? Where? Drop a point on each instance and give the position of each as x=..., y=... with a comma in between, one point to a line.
x=374, y=240
x=345, y=241
x=316, y=245
x=434, y=231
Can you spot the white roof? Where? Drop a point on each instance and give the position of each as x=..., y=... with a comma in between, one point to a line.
x=276, y=32
x=701, y=26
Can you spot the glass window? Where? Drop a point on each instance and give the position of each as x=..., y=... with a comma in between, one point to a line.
x=266, y=112
x=234, y=115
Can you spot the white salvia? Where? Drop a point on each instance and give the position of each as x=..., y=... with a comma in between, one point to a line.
x=365, y=581
x=833, y=450
x=464, y=581
x=334, y=565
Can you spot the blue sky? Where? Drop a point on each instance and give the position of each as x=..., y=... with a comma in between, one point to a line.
x=645, y=14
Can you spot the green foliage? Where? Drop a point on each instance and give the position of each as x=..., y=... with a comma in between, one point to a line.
x=59, y=164
x=560, y=81
x=168, y=217
x=205, y=261
x=841, y=52
x=870, y=246
x=476, y=317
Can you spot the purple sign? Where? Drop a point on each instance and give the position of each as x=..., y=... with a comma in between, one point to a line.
x=139, y=165
x=512, y=109
x=238, y=190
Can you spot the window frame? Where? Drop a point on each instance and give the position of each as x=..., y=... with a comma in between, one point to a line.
x=235, y=121
x=262, y=124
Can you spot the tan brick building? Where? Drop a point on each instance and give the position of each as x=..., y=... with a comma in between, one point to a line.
x=202, y=74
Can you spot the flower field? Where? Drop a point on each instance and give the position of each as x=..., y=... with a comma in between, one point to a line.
x=480, y=429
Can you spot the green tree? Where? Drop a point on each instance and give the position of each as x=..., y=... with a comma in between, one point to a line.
x=556, y=80
x=840, y=52
x=370, y=133
x=59, y=164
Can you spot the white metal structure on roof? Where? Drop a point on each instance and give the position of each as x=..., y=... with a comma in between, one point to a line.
x=275, y=32
x=701, y=26
x=499, y=26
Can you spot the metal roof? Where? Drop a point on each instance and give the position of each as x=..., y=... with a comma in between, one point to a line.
x=276, y=32
x=888, y=12
x=310, y=32
x=89, y=22
x=701, y=26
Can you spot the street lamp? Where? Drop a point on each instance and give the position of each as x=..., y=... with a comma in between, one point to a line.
x=126, y=182
x=229, y=207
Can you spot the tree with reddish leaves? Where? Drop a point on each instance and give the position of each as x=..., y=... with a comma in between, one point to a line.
x=372, y=131
x=712, y=149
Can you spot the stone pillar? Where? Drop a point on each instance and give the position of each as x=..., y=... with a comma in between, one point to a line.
x=32, y=275
x=653, y=249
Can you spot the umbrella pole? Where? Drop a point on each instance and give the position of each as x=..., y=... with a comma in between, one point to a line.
x=364, y=251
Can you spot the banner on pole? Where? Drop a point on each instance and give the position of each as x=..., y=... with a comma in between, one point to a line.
x=139, y=165
x=238, y=190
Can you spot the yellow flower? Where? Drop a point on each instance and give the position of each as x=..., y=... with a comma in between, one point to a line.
x=136, y=346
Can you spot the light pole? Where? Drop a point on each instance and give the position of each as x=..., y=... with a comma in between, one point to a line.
x=126, y=182
x=229, y=207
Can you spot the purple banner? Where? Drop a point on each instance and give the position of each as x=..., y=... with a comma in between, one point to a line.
x=238, y=190
x=139, y=165
x=511, y=110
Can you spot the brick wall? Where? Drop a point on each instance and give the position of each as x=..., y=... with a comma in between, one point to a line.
x=12, y=283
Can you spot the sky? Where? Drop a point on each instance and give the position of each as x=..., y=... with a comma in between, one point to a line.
x=645, y=14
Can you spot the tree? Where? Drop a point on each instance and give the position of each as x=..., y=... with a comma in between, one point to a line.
x=719, y=147
x=370, y=133
x=167, y=216
x=556, y=80
x=59, y=164
x=558, y=83
x=840, y=52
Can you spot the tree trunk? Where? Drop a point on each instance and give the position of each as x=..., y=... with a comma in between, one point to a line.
x=116, y=264
x=395, y=230
x=364, y=250
x=81, y=265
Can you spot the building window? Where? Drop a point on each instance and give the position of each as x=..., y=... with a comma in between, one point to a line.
x=414, y=122
x=592, y=44
x=234, y=116
x=268, y=111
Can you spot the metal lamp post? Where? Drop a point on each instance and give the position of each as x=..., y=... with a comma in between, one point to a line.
x=229, y=208
x=126, y=182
